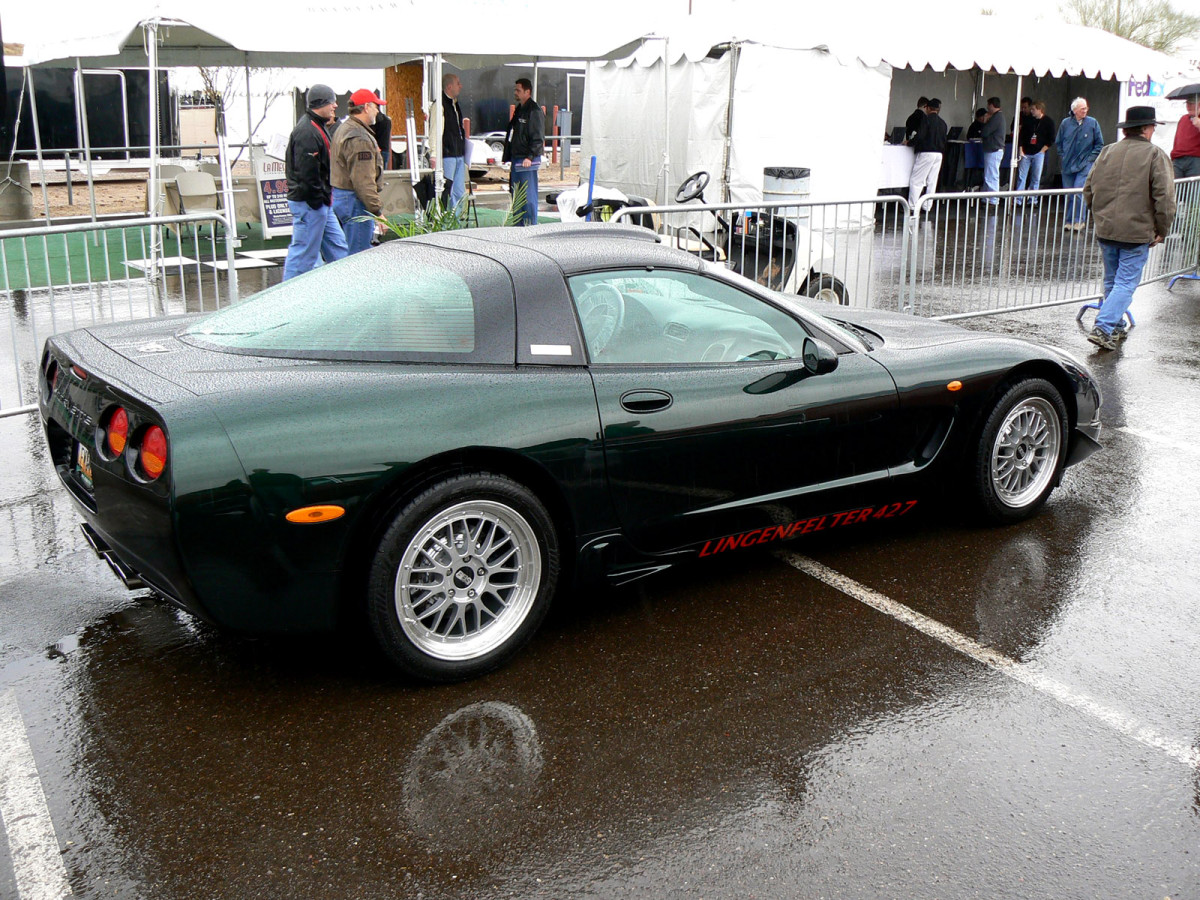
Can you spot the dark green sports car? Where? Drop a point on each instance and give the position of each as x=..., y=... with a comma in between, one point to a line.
x=446, y=428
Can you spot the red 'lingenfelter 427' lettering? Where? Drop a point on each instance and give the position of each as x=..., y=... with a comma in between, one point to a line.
x=805, y=526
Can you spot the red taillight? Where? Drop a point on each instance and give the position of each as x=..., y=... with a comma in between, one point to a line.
x=117, y=434
x=153, y=456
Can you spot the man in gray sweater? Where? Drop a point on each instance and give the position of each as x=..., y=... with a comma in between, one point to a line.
x=992, y=134
x=1131, y=193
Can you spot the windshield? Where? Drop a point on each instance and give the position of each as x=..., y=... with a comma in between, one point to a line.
x=399, y=301
x=837, y=331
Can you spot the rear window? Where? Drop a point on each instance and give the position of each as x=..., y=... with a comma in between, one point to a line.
x=404, y=301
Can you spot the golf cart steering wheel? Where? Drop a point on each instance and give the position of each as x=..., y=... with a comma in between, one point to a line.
x=692, y=188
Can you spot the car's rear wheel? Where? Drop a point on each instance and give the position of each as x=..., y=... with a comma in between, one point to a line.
x=463, y=577
x=1021, y=451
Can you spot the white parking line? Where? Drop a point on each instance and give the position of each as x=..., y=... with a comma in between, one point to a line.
x=1119, y=722
x=33, y=845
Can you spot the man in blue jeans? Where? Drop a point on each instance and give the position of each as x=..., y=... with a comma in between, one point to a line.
x=1036, y=136
x=992, y=134
x=1079, y=143
x=523, y=149
x=454, y=142
x=1131, y=192
x=315, y=229
x=357, y=171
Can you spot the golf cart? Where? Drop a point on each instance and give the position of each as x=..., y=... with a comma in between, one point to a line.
x=772, y=247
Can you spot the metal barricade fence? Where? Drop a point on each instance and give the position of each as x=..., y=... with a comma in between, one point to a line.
x=55, y=278
x=982, y=253
x=961, y=255
x=848, y=251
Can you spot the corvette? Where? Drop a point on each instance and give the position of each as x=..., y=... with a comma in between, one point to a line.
x=446, y=430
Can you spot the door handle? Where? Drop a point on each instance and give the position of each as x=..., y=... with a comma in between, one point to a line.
x=646, y=401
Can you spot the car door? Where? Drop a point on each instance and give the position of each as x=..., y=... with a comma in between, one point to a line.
x=711, y=424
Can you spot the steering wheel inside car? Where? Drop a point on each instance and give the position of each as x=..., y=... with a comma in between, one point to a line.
x=692, y=187
x=602, y=312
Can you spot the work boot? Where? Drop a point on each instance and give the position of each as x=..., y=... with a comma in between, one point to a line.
x=1104, y=341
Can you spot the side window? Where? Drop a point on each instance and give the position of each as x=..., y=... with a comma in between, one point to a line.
x=662, y=316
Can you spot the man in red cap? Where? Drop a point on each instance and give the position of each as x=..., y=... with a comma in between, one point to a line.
x=357, y=174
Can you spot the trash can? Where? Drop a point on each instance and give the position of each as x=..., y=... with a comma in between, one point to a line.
x=786, y=183
x=16, y=200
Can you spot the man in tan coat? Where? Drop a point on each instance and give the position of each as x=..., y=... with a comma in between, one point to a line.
x=1131, y=193
x=357, y=170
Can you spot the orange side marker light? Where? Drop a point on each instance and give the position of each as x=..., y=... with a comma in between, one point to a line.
x=310, y=515
x=954, y=386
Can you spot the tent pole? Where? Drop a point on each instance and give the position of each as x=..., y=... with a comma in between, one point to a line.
x=82, y=118
x=727, y=150
x=1012, y=169
x=37, y=143
x=249, y=115
x=151, y=36
x=666, y=164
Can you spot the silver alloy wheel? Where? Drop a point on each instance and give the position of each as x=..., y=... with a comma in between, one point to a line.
x=468, y=579
x=1025, y=453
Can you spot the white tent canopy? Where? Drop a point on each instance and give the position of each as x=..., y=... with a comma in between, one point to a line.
x=807, y=92
x=989, y=43
x=369, y=34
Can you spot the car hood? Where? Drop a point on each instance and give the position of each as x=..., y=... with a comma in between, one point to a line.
x=899, y=331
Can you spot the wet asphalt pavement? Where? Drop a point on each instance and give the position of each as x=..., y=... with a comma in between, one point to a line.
x=926, y=709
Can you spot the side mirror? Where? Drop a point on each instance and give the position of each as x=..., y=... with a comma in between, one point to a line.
x=818, y=357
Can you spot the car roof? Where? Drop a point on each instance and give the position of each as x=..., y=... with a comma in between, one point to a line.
x=572, y=248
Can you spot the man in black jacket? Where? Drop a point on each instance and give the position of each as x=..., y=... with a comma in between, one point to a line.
x=454, y=143
x=526, y=138
x=315, y=229
x=929, y=145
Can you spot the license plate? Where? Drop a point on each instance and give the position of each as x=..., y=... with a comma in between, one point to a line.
x=83, y=464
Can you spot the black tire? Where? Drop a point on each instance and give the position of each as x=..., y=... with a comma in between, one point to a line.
x=827, y=288
x=1021, y=451
x=445, y=611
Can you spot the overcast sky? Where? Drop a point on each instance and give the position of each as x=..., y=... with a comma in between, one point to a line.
x=1031, y=9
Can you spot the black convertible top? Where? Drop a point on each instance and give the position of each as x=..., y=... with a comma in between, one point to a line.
x=572, y=248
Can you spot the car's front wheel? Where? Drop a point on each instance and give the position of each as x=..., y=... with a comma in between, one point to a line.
x=463, y=577
x=1021, y=451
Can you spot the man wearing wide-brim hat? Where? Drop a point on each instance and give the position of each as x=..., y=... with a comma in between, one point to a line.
x=1131, y=193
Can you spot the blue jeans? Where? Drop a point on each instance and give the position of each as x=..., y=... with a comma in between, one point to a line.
x=347, y=207
x=455, y=170
x=1029, y=169
x=991, y=172
x=1122, y=272
x=1075, y=210
x=528, y=177
x=315, y=233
